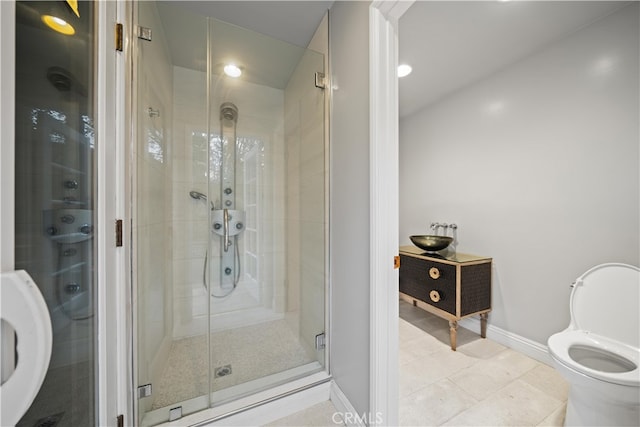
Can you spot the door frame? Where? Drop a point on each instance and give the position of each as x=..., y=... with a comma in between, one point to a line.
x=384, y=204
x=7, y=133
x=111, y=356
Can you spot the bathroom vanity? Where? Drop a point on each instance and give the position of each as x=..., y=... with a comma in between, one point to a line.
x=452, y=286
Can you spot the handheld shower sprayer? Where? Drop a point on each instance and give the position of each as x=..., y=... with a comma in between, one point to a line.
x=196, y=195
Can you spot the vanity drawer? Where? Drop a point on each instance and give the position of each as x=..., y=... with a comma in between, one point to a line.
x=430, y=282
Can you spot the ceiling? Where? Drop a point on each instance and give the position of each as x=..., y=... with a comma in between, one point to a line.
x=293, y=21
x=266, y=39
x=451, y=44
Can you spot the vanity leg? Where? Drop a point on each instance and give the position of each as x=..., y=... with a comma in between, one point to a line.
x=453, y=332
x=483, y=325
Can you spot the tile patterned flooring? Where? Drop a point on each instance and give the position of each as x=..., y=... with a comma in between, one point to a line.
x=320, y=415
x=483, y=383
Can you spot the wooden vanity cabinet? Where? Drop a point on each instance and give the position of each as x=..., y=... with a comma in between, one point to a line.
x=451, y=286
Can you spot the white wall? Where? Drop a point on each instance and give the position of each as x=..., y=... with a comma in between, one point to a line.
x=349, y=206
x=538, y=166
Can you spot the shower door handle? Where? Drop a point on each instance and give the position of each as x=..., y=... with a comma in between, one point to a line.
x=225, y=222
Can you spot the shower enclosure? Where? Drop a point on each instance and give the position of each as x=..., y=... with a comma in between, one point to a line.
x=229, y=211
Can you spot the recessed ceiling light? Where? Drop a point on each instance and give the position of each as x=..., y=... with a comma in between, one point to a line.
x=232, y=70
x=404, y=70
x=58, y=24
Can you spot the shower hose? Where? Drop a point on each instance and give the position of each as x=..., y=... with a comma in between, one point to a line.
x=236, y=279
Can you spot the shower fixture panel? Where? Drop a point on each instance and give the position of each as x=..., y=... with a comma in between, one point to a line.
x=227, y=221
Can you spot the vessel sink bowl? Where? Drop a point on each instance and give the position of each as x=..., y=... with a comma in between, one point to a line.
x=431, y=243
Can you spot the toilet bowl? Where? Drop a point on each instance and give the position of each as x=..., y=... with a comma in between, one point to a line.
x=599, y=353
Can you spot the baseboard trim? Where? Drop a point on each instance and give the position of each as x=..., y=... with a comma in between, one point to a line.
x=345, y=412
x=519, y=343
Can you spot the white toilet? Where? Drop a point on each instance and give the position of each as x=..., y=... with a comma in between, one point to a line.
x=599, y=353
x=25, y=321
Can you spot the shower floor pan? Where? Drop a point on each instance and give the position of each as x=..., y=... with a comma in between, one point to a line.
x=259, y=356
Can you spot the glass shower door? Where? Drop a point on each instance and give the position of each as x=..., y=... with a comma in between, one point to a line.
x=170, y=233
x=54, y=206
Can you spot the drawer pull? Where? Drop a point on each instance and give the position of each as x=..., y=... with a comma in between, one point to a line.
x=434, y=273
x=434, y=295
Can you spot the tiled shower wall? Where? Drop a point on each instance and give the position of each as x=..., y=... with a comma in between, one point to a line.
x=190, y=236
x=260, y=119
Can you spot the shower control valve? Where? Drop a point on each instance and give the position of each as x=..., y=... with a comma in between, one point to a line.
x=85, y=229
x=228, y=191
x=227, y=223
x=52, y=231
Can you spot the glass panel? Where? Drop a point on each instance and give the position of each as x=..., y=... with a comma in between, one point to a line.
x=170, y=226
x=54, y=197
x=267, y=168
x=237, y=199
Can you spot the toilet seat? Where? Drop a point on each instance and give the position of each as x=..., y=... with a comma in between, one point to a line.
x=601, y=296
x=560, y=343
x=598, y=299
x=24, y=309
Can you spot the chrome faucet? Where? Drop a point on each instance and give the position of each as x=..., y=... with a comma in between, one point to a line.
x=435, y=225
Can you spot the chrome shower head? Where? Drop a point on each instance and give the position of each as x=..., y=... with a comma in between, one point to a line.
x=228, y=111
